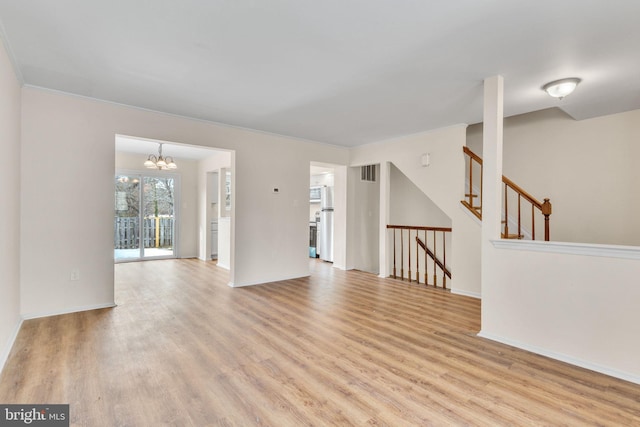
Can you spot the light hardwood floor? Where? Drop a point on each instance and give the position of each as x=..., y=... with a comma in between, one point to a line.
x=339, y=348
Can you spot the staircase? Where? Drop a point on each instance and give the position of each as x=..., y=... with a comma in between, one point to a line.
x=420, y=252
x=523, y=219
x=430, y=254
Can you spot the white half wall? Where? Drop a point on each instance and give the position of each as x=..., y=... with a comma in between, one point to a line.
x=67, y=196
x=10, y=105
x=224, y=239
x=443, y=183
x=580, y=307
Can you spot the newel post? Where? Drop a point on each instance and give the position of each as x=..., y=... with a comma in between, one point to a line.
x=546, y=211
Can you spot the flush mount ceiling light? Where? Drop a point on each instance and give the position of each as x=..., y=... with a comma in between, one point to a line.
x=561, y=88
x=159, y=162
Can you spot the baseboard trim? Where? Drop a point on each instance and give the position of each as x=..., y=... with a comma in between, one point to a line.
x=68, y=311
x=464, y=293
x=7, y=350
x=564, y=358
x=241, y=285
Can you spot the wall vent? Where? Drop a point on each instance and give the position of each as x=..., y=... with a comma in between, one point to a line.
x=368, y=173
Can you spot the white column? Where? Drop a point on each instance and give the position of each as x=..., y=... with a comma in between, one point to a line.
x=492, y=157
x=385, y=188
x=491, y=172
x=340, y=217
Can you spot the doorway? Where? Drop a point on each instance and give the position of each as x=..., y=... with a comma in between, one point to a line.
x=321, y=212
x=145, y=216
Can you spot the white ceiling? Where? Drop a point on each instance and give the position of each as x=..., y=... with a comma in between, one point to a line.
x=334, y=71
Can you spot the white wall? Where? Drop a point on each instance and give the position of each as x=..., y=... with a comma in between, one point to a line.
x=187, y=215
x=410, y=206
x=576, y=307
x=587, y=168
x=10, y=105
x=217, y=161
x=68, y=168
x=443, y=183
x=224, y=242
x=364, y=198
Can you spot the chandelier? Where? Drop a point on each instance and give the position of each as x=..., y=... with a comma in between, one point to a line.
x=159, y=162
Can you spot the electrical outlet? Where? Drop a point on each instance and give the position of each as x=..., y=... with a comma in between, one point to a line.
x=75, y=274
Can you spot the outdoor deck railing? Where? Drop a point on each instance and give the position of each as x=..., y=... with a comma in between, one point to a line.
x=157, y=232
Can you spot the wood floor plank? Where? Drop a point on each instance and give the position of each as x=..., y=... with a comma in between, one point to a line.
x=337, y=348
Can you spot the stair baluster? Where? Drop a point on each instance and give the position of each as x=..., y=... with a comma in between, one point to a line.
x=413, y=233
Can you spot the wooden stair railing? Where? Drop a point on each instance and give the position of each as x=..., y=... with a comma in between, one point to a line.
x=423, y=236
x=512, y=192
x=475, y=162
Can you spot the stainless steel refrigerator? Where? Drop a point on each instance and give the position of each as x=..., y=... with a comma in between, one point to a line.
x=325, y=238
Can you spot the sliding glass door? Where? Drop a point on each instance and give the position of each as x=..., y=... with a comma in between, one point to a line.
x=158, y=226
x=144, y=221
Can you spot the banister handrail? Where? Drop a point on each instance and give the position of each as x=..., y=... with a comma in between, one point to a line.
x=471, y=154
x=523, y=193
x=544, y=207
x=433, y=257
x=416, y=227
